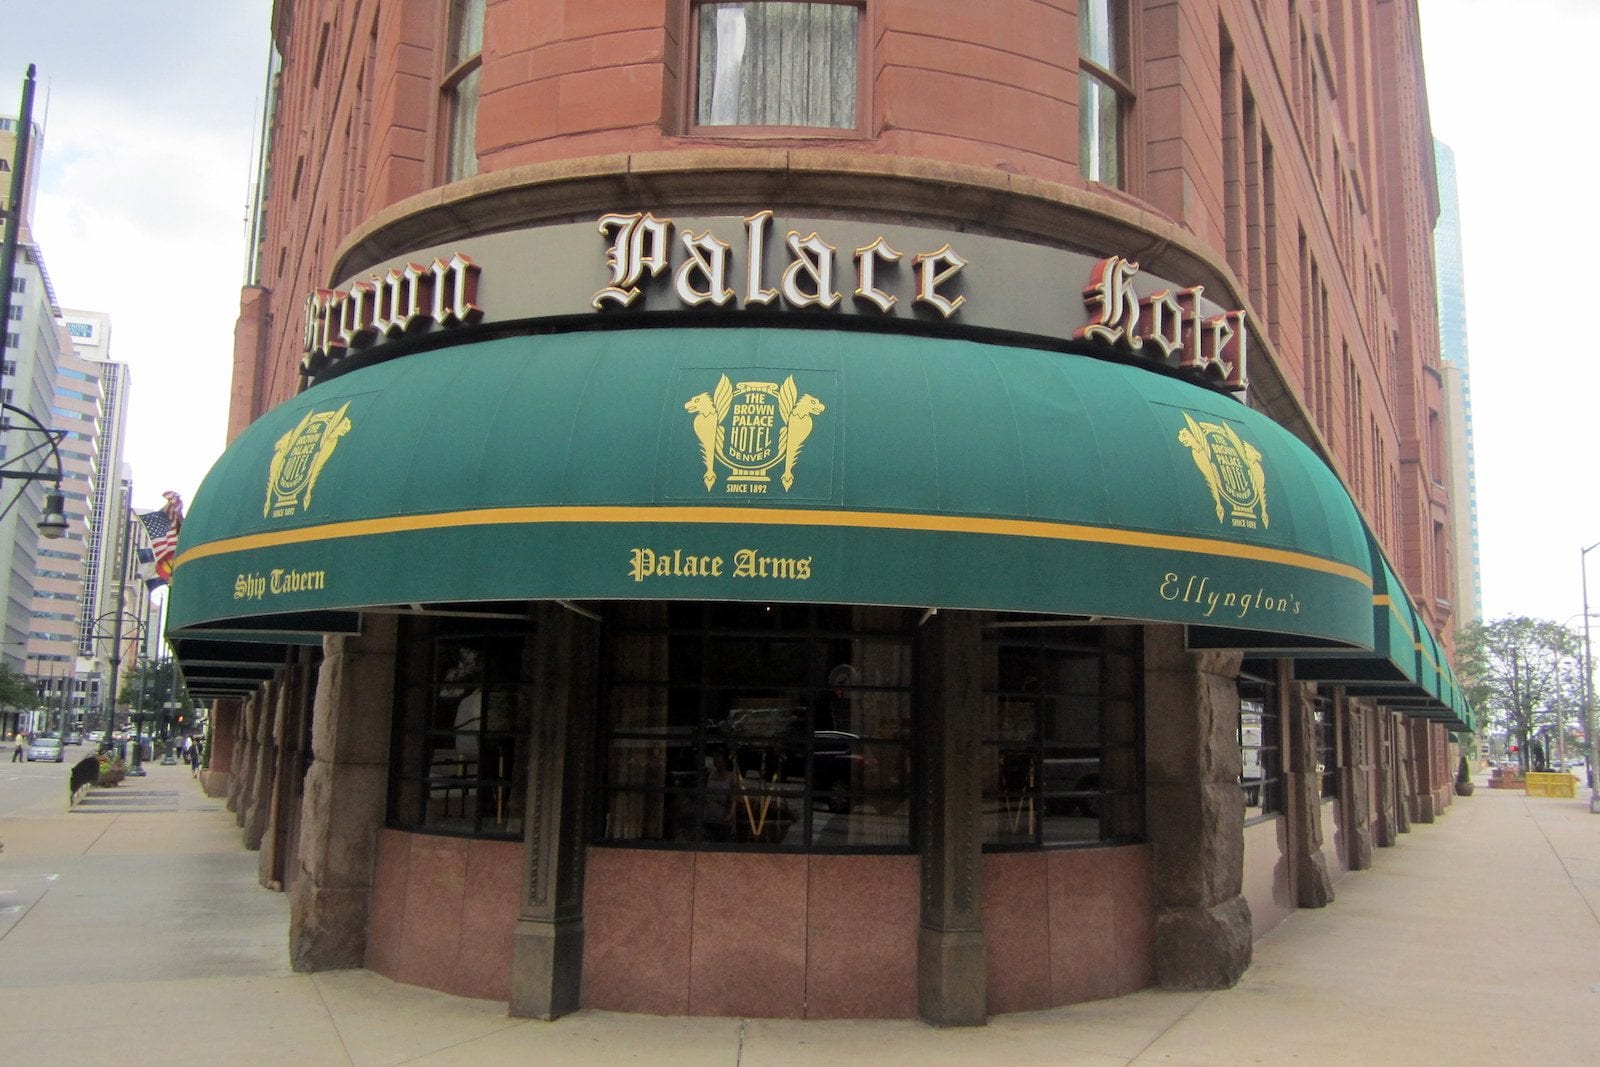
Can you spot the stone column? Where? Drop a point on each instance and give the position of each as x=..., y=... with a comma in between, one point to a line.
x=547, y=952
x=1355, y=781
x=1195, y=812
x=1422, y=765
x=1302, y=785
x=216, y=778
x=276, y=866
x=257, y=808
x=1383, y=736
x=1403, y=789
x=345, y=794
x=952, y=972
x=245, y=755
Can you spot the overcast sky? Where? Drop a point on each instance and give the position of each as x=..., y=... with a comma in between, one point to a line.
x=152, y=110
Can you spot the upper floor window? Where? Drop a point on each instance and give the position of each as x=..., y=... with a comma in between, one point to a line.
x=463, y=75
x=1104, y=94
x=777, y=63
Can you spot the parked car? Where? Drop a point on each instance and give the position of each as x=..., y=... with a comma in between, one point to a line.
x=46, y=748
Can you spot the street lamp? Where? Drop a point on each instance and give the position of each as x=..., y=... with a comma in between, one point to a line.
x=1588, y=682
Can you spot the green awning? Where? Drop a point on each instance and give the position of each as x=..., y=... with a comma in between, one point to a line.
x=773, y=465
x=231, y=663
x=1392, y=664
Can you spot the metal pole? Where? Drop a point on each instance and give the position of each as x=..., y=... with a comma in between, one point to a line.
x=116, y=626
x=1588, y=683
x=136, y=764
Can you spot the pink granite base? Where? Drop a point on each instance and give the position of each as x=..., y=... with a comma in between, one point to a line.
x=424, y=928
x=748, y=934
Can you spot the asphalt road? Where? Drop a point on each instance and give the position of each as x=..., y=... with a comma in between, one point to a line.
x=25, y=785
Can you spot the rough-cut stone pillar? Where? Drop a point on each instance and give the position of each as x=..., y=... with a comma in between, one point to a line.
x=547, y=953
x=216, y=778
x=1404, y=791
x=1423, y=760
x=1195, y=812
x=1355, y=782
x=245, y=754
x=1388, y=822
x=1313, y=886
x=346, y=787
x=283, y=774
x=952, y=974
x=257, y=809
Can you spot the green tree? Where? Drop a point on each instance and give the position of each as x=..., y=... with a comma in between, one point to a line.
x=15, y=690
x=149, y=686
x=1523, y=674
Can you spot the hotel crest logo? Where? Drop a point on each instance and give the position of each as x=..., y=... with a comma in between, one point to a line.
x=298, y=459
x=750, y=428
x=1232, y=469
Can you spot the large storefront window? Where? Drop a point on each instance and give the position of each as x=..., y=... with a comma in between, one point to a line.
x=784, y=64
x=461, y=734
x=757, y=725
x=1259, y=733
x=1060, y=736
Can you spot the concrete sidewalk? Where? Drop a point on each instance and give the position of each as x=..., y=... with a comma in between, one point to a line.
x=135, y=924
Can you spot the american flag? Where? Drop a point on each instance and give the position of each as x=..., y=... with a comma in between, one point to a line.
x=163, y=527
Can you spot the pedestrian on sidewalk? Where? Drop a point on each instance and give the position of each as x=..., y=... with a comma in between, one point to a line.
x=194, y=760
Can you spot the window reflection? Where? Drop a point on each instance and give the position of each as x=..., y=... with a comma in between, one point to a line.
x=1060, y=763
x=757, y=726
x=461, y=735
x=1260, y=776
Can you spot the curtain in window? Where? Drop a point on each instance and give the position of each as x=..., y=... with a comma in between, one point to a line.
x=1099, y=109
x=465, y=46
x=777, y=64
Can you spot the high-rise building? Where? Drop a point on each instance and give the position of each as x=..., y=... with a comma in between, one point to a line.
x=1458, y=386
x=829, y=508
x=109, y=509
x=36, y=350
x=67, y=410
x=9, y=130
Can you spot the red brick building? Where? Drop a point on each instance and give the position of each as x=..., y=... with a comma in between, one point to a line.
x=839, y=508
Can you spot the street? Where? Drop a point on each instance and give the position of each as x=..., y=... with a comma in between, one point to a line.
x=25, y=785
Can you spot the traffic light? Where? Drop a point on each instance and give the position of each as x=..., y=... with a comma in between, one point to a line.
x=1513, y=748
